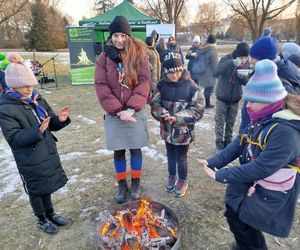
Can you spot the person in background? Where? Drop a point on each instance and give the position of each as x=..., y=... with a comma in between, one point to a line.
x=177, y=104
x=266, y=48
x=161, y=48
x=154, y=63
x=263, y=190
x=229, y=92
x=122, y=84
x=267, y=31
x=3, y=85
x=26, y=121
x=155, y=36
x=173, y=46
x=192, y=55
x=289, y=49
x=207, y=80
x=295, y=59
x=3, y=65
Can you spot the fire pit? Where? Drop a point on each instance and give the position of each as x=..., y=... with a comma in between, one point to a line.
x=139, y=225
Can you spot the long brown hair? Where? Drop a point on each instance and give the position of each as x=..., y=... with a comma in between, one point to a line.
x=292, y=102
x=133, y=56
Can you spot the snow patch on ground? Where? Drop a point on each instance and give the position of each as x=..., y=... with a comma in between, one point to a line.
x=155, y=130
x=71, y=156
x=85, y=120
x=154, y=154
x=97, y=140
x=10, y=181
x=204, y=125
x=104, y=152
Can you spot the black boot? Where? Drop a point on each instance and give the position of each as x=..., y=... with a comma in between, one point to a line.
x=135, y=189
x=208, y=105
x=55, y=218
x=46, y=225
x=121, y=193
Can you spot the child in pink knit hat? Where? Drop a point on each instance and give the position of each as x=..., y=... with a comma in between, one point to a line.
x=26, y=121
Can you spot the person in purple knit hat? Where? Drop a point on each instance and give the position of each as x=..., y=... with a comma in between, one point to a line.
x=262, y=191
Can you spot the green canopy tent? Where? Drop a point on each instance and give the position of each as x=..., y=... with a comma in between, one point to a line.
x=86, y=41
x=136, y=18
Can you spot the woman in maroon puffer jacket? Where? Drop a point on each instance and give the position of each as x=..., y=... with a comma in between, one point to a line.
x=122, y=82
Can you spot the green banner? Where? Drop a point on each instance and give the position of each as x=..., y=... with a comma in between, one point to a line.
x=82, y=54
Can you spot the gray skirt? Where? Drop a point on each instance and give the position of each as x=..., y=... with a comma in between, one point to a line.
x=126, y=135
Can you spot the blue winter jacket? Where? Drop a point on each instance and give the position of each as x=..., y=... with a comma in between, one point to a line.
x=266, y=210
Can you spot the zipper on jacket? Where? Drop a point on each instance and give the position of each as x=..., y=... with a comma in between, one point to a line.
x=122, y=95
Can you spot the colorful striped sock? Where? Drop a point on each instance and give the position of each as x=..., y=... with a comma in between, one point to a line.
x=120, y=169
x=136, y=166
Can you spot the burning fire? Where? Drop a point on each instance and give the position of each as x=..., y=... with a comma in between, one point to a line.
x=137, y=229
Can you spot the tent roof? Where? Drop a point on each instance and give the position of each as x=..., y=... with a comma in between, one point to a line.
x=134, y=16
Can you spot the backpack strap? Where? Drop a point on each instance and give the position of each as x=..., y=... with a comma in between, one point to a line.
x=263, y=136
x=262, y=141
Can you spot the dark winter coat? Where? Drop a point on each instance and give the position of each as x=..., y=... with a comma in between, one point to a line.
x=155, y=67
x=3, y=85
x=155, y=36
x=211, y=59
x=287, y=70
x=35, y=153
x=112, y=96
x=182, y=99
x=229, y=86
x=266, y=210
x=191, y=59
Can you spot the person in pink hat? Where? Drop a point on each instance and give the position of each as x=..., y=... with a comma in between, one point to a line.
x=26, y=121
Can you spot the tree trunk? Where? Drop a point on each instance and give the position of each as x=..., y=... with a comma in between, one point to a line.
x=298, y=28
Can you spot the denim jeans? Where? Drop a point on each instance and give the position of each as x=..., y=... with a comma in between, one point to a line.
x=177, y=157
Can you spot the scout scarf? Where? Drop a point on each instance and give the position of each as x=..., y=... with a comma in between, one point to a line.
x=39, y=109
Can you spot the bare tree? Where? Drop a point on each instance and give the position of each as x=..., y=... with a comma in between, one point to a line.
x=208, y=17
x=102, y=6
x=298, y=22
x=11, y=8
x=257, y=12
x=168, y=11
x=237, y=28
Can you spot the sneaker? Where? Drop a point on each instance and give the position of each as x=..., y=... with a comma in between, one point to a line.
x=180, y=188
x=58, y=220
x=170, y=186
x=48, y=227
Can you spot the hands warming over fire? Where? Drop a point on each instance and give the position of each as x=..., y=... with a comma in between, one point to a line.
x=63, y=114
x=168, y=118
x=44, y=125
x=203, y=163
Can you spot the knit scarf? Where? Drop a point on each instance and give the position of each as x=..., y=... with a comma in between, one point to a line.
x=32, y=101
x=268, y=110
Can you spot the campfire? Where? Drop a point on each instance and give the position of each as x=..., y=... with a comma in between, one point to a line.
x=141, y=225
